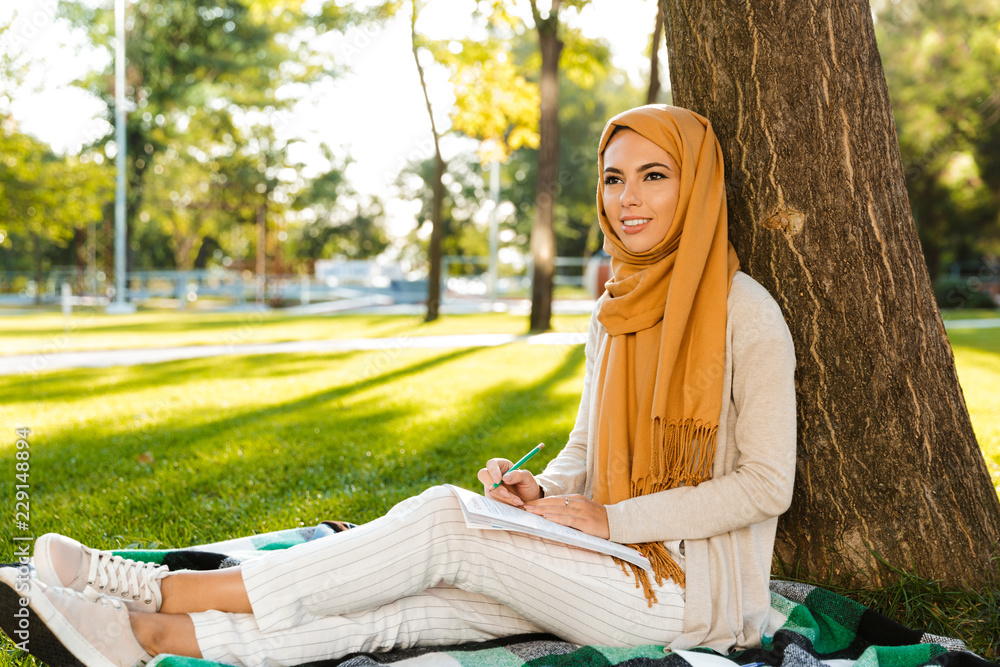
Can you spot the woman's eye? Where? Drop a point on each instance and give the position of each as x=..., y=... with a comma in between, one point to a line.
x=611, y=180
x=655, y=176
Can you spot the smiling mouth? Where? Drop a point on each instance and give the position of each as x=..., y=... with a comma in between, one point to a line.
x=634, y=225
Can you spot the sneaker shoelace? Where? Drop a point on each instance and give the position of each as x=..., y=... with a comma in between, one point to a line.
x=102, y=600
x=123, y=576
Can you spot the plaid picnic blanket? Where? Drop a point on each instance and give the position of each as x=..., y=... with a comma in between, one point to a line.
x=818, y=628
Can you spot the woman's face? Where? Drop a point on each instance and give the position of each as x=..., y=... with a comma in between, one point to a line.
x=641, y=186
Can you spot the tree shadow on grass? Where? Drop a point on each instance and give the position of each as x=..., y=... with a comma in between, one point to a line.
x=357, y=487
x=268, y=469
x=496, y=423
x=85, y=382
x=96, y=459
x=201, y=487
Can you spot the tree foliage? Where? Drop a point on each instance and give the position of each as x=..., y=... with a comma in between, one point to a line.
x=463, y=197
x=494, y=102
x=334, y=221
x=44, y=198
x=592, y=90
x=206, y=80
x=942, y=65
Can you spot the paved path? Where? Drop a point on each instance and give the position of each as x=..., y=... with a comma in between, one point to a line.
x=39, y=362
x=45, y=361
x=972, y=324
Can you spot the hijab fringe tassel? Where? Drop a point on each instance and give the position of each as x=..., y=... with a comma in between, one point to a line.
x=689, y=451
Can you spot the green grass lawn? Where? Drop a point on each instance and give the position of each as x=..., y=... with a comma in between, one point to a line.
x=977, y=358
x=194, y=451
x=263, y=442
x=971, y=314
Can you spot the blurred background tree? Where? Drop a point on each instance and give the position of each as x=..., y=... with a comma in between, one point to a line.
x=484, y=74
x=213, y=162
x=591, y=90
x=46, y=200
x=210, y=79
x=942, y=66
x=334, y=220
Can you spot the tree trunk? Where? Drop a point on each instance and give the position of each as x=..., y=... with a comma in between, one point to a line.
x=437, y=187
x=654, y=59
x=38, y=256
x=262, y=253
x=543, y=239
x=437, y=231
x=888, y=463
x=135, y=189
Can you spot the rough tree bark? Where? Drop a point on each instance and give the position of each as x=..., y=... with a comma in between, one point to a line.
x=888, y=462
x=543, y=238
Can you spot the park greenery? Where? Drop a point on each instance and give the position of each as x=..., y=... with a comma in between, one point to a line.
x=197, y=450
x=942, y=63
x=192, y=451
x=206, y=166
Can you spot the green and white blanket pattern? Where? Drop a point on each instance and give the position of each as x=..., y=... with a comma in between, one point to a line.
x=818, y=629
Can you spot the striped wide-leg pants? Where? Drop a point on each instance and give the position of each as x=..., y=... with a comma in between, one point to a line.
x=419, y=576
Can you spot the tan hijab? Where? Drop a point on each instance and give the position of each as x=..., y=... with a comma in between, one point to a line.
x=660, y=387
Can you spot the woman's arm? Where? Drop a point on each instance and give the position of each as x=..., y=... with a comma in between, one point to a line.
x=565, y=478
x=761, y=485
x=567, y=472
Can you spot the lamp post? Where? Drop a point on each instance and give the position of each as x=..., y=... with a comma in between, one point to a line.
x=120, y=305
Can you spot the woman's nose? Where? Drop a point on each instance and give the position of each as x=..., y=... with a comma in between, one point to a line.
x=630, y=195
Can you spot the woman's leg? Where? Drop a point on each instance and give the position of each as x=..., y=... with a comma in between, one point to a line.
x=439, y=616
x=223, y=590
x=579, y=595
x=165, y=633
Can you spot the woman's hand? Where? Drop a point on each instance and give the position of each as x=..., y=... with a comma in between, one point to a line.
x=518, y=487
x=575, y=511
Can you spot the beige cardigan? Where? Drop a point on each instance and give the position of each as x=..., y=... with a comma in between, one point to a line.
x=727, y=523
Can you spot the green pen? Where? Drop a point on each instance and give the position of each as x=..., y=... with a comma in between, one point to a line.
x=522, y=461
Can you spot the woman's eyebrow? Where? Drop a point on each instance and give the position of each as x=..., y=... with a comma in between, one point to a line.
x=645, y=167
x=655, y=165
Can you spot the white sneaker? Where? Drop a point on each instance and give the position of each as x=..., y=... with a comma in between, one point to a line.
x=62, y=628
x=62, y=561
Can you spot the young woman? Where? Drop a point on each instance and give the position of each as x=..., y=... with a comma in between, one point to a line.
x=684, y=447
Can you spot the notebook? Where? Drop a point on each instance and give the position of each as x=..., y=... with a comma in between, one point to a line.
x=488, y=514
